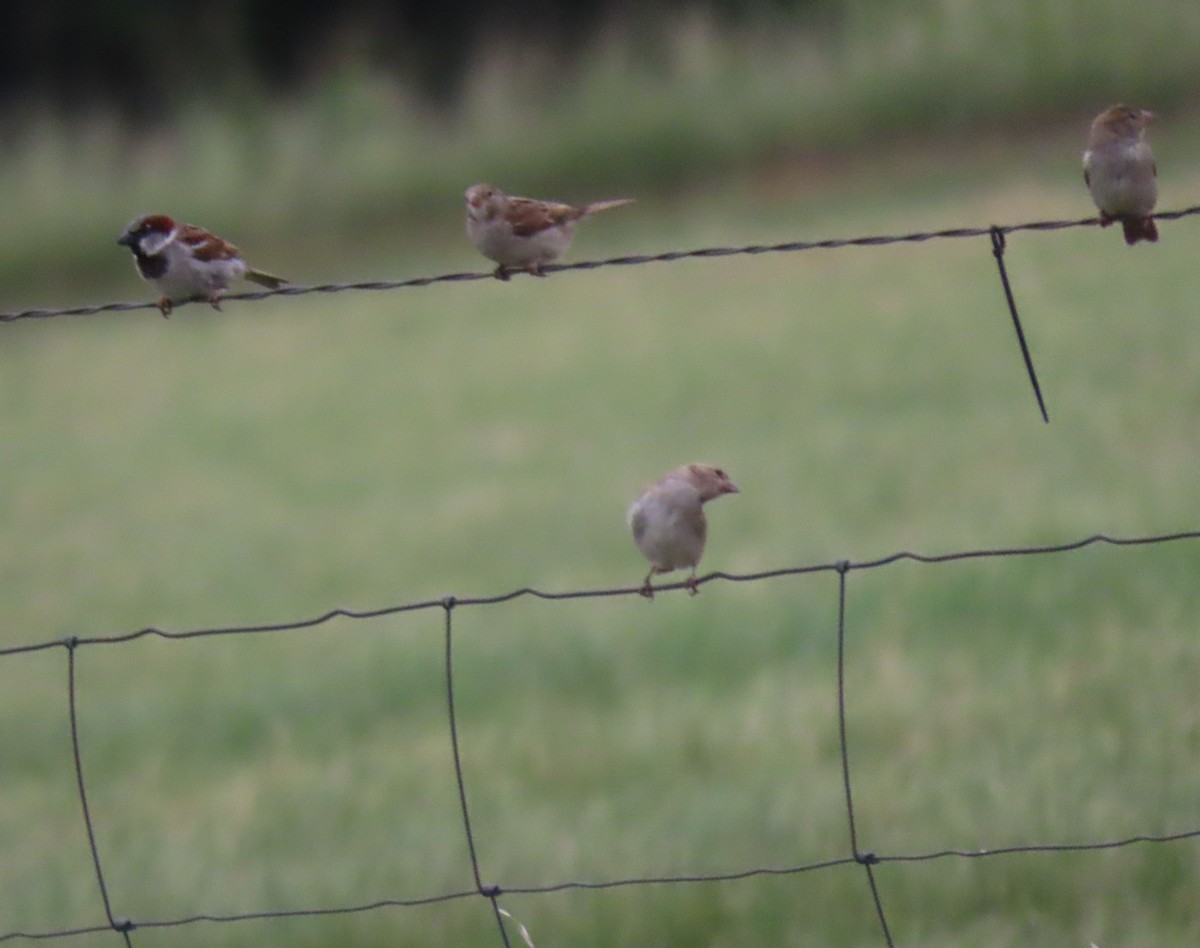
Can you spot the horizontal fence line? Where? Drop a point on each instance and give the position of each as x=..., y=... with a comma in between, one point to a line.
x=795, y=246
x=583, y=885
x=453, y=602
x=1048, y=847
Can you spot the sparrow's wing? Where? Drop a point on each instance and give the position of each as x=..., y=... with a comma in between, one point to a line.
x=529, y=217
x=695, y=522
x=206, y=246
x=637, y=522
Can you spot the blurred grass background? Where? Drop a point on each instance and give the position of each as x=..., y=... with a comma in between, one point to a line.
x=275, y=460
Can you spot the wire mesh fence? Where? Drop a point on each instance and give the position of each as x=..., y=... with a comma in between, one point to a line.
x=484, y=886
x=492, y=890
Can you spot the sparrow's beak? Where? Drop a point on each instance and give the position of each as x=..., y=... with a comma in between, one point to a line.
x=1148, y=116
x=125, y=240
x=729, y=487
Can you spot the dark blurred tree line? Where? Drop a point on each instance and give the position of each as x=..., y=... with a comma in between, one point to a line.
x=143, y=56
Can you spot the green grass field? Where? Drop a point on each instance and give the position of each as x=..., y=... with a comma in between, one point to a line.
x=279, y=459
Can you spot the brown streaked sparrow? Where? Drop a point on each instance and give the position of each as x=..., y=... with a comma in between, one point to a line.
x=521, y=233
x=184, y=262
x=1118, y=168
x=668, y=521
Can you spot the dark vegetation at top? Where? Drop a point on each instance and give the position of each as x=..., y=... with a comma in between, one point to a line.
x=141, y=56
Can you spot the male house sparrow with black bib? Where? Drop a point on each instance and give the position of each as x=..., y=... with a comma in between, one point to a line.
x=1118, y=168
x=668, y=522
x=184, y=262
x=521, y=233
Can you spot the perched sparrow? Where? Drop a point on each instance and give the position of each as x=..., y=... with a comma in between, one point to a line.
x=184, y=262
x=1118, y=168
x=668, y=519
x=521, y=233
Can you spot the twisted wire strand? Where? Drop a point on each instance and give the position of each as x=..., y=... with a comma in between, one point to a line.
x=670, y=256
x=600, y=593
x=625, y=882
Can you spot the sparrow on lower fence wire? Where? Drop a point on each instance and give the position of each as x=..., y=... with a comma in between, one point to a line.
x=668, y=522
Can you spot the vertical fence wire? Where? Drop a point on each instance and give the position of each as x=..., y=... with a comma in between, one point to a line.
x=122, y=925
x=491, y=893
x=999, y=245
x=868, y=859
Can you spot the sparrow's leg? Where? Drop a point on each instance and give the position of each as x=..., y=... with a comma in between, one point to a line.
x=1106, y=219
x=501, y=273
x=647, y=590
x=535, y=269
x=214, y=300
x=691, y=584
x=165, y=306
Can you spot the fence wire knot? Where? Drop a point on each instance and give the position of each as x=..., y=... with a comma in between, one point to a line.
x=999, y=242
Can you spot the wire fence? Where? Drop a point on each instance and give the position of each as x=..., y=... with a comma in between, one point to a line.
x=492, y=891
x=671, y=256
x=996, y=233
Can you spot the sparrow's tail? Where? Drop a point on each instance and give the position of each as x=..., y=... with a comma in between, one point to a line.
x=604, y=205
x=1139, y=228
x=268, y=280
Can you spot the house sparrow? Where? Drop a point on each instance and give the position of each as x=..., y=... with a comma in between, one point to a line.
x=1119, y=170
x=521, y=233
x=668, y=521
x=184, y=262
